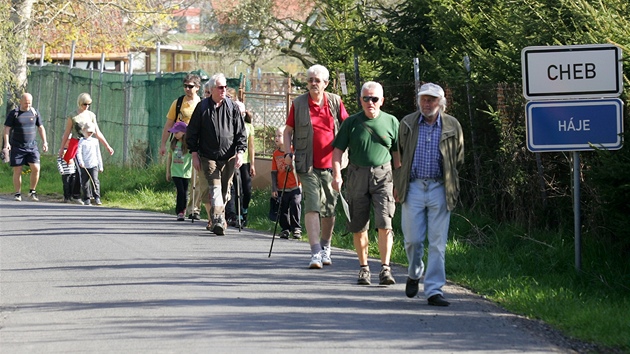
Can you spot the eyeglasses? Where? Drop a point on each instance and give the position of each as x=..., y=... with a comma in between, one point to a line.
x=371, y=98
x=190, y=87
x=221, y=87
x=314, y=80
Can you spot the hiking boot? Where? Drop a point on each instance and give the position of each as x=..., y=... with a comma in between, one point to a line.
x=297, y=234
x=219, y=226
x=17, y=197
x=285, y=234
x=316, y=261
x=231, y=221
x=97, y=201
x=180, y=217
x=364, y=276
x=33, y=196
x=385, y=276
x=326, y=260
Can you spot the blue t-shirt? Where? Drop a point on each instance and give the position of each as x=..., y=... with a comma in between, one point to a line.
x=23, y=128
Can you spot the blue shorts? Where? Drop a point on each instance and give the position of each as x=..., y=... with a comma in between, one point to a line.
x=21, y=156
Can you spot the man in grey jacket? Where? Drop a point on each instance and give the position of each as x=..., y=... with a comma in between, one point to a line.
x=431, y=147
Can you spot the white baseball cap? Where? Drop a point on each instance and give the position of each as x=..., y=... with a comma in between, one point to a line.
x=431, y=89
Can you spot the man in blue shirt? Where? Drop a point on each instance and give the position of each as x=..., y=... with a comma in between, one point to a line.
x=431, y=148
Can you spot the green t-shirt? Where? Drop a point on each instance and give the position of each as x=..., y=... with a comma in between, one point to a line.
x=364, y=149
x=181, y=164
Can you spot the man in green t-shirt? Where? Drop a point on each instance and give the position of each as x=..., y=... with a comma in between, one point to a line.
x=371, y=137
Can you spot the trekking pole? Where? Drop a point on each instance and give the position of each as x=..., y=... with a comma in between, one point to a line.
x=275, y=228
x=194, y=184
x=238, y=191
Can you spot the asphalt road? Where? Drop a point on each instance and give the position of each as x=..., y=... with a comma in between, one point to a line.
x=78, y=279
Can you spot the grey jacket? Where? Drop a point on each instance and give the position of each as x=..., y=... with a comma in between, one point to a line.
x=451, y=148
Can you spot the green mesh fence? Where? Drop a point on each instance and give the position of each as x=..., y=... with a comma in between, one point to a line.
x=130, y=109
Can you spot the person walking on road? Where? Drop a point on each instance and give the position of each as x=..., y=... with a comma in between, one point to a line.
x=216, y=138
x=371, y=137
x=20, y=131
x=431, y=147
x=180, y=111
x=179, y=167
x=313, y=121
x=286, y=186
x=91, y=163
x=74, y=132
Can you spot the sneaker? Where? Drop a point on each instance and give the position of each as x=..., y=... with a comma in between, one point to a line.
x=18, y=197
x=219, y=226
x=180, y=217
x=243, y=220
x=97, y=201
x=364, y=276
x=326, y=260
x=194, y=216
x=33, y=196
x=78, y=201
x=385, y=276
x=285, y=234
x=231, y=221
x=87, y=202
x=297, y=234
x=316, y=261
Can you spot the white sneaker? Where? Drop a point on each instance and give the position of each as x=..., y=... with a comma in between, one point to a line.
x=325, y=254
x=316, y=261
x=18, y=198
x=33, y=196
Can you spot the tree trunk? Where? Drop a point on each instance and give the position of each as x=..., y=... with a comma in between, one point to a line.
x=22, y=20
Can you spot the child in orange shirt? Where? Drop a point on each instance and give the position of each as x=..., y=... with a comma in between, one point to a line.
x=291, y=194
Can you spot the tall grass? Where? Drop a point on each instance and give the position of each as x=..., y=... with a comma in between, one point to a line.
x=530, y=274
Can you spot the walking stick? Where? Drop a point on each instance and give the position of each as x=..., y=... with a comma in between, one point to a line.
x=194, y=184
x=237, y=175
x=275, y=228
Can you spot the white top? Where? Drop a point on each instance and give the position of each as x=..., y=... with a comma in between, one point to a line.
x=89, y=153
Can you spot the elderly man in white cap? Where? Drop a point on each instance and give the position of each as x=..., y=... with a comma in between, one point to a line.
x=431, y=148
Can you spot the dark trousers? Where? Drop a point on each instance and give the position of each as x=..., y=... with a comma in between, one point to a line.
x=290, y=210
x=181, y=185
x=76, y=185
x=90, y=186
x=68, y=185
x=246, y=191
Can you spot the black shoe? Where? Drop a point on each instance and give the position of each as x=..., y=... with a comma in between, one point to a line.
x=231, y=221
x=285, y=234
x=438, y=300
x=411, y=290
x=194, y=216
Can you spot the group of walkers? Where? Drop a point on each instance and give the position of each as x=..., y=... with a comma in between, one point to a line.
x=210, y=141
x=414, y=161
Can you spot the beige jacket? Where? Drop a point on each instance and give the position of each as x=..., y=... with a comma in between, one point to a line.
x=451, y=148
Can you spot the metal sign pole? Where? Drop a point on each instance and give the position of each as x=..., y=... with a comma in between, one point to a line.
x=576, y=211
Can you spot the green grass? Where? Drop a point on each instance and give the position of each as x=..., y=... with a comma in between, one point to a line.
x=529, y=274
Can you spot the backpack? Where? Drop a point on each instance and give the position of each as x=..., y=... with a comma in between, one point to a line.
x=178, y=107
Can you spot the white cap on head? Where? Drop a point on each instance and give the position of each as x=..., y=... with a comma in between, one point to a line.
x=431, y=89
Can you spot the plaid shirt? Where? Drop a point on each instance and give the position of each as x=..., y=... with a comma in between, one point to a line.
x=427, y=160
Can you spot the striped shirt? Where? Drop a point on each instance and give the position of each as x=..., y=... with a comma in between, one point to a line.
x=427, y=160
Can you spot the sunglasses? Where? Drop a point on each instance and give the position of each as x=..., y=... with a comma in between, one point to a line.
x=221, y=87
x=371, y=98
x=86, y=104
x=190, y=87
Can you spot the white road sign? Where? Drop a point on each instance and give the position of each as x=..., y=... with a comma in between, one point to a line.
x=574, y=71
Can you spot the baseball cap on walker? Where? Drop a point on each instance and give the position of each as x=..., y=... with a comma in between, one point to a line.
x=178, y=127
x=431, y=89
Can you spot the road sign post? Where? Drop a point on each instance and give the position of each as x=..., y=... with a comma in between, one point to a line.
x=587, y=78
